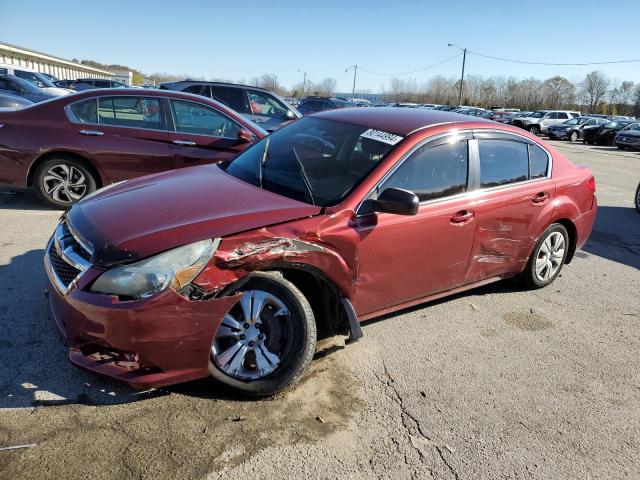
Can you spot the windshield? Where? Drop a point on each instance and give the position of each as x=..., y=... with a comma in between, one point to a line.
x=313, y=160
x=632, y=126
x=28, y=86
x=538, y=114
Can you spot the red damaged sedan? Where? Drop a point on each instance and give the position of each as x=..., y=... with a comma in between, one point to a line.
x=68, y=147
x=234, y=270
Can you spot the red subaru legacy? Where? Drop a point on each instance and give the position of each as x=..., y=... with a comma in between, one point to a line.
x=234, y=270
x=67, y=147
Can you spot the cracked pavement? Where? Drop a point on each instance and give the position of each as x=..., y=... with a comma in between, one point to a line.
x=494, y=383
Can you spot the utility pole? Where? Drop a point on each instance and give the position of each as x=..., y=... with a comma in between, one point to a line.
x=464, y=59
x=355, y=73
x=304, y=81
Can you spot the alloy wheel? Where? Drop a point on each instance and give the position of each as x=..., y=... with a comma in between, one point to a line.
x=65, y=183
x=550, y=256
x=253, y=337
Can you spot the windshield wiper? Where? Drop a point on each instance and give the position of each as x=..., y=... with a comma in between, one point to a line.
x=305, y=179
x=263, y=160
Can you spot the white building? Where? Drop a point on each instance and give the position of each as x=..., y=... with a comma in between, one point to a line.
x=45, y=63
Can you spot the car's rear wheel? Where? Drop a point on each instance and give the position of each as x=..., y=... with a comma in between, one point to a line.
x=267, y=339
x=535, y=129
x=638, y=198
x=62, y=181
x=574, y=136
x=547, y=257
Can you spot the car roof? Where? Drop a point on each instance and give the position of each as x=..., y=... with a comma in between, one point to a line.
x=226, y=84
x=400, y=121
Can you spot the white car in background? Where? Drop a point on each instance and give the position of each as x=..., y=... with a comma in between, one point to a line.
x=539, y=121
x=38, y=79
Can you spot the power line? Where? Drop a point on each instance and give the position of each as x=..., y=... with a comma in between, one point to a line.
x=412, y=71
x=511, y=60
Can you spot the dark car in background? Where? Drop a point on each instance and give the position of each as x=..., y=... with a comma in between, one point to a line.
x=82, y=84
x=604, y=134
x=69, y=147
x=8, y=100
x=12, y=85
x=573, y=129
x=628, y=137
x=312, y=105
x=256, y=104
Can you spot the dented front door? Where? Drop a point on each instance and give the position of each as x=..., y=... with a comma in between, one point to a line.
x=405, y=258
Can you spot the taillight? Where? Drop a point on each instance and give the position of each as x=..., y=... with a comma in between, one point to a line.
x=591, y=184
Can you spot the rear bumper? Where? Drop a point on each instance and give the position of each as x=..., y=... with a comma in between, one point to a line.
x=584, y=224
x=147, y=343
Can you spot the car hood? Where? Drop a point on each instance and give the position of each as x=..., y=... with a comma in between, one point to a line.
x=151, y=214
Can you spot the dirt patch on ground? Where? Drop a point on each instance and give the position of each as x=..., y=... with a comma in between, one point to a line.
x=183, y=431
x=530, y=321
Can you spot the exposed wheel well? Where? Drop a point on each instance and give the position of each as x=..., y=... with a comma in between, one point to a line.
x=573, y=236
x=323, y=296
x=61, y=154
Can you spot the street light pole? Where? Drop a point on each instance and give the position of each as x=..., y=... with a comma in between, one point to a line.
x=464, y=59
x=304, y=80
x=355, y=73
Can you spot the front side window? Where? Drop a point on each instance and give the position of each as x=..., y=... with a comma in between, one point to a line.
x=135, y=112
x=102, y=84
x=231, y=97
x=86, y=111
x=28, y=76
x=433, y=171
x=190, y=117
x=313, y=160
x=502, y=162
x=262, y=103
x=562, y=115
x=196, y=89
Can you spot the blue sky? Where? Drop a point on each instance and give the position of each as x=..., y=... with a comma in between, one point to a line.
x=238, y=40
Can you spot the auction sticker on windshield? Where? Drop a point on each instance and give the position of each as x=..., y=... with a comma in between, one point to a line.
x=384, y=137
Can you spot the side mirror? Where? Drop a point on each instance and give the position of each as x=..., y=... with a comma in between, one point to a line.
x=290, y=115
x=393, y=200
x=245, y=136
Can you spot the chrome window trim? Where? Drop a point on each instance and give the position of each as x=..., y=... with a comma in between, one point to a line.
x=73, y=119
x=473, y=175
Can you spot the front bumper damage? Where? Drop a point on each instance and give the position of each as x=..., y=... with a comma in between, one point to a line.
x=148, y=343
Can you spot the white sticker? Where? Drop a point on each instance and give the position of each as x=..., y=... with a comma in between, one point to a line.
x=384, y=137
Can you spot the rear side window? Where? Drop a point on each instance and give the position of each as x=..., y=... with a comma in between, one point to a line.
x=196, y=89
x=190, y=117
x=538, y=161
x=563, y=115
x=433, y=171
x=135, y=112
x=231, y=97
x=86, y=111
x=502, y=162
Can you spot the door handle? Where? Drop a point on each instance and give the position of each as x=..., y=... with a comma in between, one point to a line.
x=91, y=133
x=186, y=143
x=463, y=216
x=540, y=197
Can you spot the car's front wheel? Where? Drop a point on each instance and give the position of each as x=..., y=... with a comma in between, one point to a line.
x=62, y=181
x=267, y=339
x=534, y=129
x=547, y=257
x=574, y=136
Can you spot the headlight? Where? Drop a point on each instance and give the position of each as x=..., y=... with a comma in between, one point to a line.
x=173, y=268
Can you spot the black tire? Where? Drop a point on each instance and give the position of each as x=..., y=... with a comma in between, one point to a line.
x=574, y=136
x=302, y=342
x=637, y=202
x=610, y=142
x=78, y=171
x=534, y=129
x=621, y=147
x=529, y=277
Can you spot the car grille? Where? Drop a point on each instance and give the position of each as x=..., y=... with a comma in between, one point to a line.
x=67, y=258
